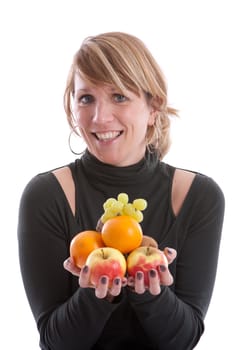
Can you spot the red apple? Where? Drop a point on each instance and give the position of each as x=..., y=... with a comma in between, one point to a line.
x=144, y=259
x=106, y=261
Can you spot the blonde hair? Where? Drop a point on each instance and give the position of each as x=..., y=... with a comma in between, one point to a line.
x=124, y=61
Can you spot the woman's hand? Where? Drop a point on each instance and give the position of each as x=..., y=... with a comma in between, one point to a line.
x=157, y=277
x=103, y=289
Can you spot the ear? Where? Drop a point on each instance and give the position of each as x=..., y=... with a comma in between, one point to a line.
x=152, y=116
x=153, y=111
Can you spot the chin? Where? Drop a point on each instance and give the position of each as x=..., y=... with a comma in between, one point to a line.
x=109, y=158
x=116, y=157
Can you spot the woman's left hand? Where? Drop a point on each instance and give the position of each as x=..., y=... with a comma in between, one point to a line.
x=157, y=277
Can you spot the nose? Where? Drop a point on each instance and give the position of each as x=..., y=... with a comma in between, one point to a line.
x=103, y=113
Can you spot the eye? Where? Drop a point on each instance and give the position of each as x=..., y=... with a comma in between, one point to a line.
x=85, y=99
x=119, y=98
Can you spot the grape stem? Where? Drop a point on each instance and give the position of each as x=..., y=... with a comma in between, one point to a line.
x=99, y=226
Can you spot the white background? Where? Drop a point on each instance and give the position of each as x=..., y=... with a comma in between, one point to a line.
x=191, y=40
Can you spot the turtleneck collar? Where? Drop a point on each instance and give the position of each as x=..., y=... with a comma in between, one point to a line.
x=138, y=173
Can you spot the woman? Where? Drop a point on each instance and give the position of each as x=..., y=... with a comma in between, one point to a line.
x=116, y=100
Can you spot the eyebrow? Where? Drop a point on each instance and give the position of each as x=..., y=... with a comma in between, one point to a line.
x=111, y=88
x=83, y=89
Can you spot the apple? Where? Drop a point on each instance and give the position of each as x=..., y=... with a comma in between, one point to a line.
x=143, y=259
x=106, y=261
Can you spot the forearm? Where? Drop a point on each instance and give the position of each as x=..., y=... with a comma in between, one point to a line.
x=76, y=324
x=169, y=323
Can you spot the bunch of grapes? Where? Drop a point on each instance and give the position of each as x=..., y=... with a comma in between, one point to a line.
x=121, y=206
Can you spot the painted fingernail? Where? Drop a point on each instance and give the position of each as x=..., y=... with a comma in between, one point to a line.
x=139, y=275
x=152, y=273
x=162, y=268
x=117, y=281
x=85, y=269
x=103, y=280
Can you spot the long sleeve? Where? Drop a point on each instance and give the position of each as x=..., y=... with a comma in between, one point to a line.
x=174, y=319
x=72, y=318
x=65, y=321
x=77, y=323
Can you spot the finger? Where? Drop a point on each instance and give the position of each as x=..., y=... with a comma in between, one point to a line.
x=139, y=285
x=170, y=254
x=165, y=276
x=84, y=277
x=124, y=282
x=154, y=282
x=130, y=281
x=116, y=286
x=71, y=267
x=101, y=289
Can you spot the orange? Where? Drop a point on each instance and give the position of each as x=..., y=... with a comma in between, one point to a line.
x=123, y=233
x=83, y=244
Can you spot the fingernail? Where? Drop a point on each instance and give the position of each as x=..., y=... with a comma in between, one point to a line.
x=103, y=280
x=117, y=281
x=67, y=261
x=139, y=275
x=85, y=269
x=152, y=273
x=169, y=251
x=162, y=268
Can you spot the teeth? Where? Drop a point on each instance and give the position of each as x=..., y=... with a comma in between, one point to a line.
x=107, y=135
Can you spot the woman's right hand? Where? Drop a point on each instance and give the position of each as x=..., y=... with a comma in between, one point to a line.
x=103, y=289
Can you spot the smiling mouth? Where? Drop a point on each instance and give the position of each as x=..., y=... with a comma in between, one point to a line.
x=107, y=136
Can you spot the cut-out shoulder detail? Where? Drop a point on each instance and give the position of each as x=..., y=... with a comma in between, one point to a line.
x=182, y=182
x=64, y=177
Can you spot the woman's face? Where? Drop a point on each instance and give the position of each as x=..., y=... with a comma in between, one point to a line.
x=113, y=125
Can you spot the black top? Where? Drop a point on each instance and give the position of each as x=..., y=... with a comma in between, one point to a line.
x=72, y=318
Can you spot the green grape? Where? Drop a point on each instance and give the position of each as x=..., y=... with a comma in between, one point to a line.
x=128, y=209
x=108, y=214
x=140, y=204
x=117, y=206
x=123, y=197
x=138, y=216
x=109, y=202
x=104, y=218
x=121, y=206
